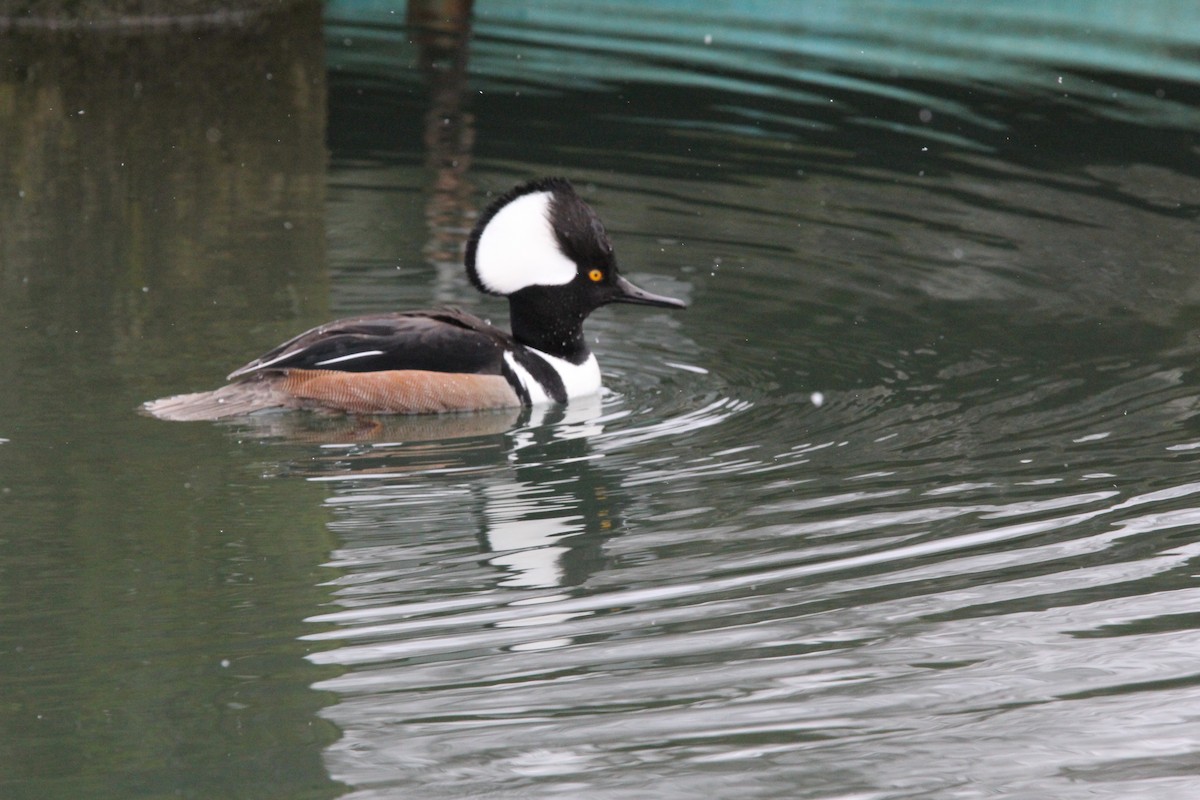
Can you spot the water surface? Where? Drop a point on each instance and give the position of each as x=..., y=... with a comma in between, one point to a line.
x=904, y=505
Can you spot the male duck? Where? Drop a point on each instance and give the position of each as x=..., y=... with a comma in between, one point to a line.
x=539, y=245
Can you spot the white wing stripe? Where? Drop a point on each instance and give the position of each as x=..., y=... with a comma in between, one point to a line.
x=350, y=357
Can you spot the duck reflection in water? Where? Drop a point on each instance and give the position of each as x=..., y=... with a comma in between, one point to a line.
x=522, y=484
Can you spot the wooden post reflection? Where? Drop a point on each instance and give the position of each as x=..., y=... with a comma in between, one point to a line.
x=441, y=30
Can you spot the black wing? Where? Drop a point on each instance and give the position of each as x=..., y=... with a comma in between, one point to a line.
x=446, y=340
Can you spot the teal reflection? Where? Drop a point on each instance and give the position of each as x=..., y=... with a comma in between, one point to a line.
x=809, y=53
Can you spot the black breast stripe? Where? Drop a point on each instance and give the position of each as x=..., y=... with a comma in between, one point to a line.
x=541, y=372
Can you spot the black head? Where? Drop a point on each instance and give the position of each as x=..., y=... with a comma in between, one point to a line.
x=541, y=235
x=545, y=249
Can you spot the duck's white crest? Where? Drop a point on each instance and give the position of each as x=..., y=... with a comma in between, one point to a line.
x=518, y=248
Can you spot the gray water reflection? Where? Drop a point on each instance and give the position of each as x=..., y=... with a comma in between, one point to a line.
x=147, y=623
x=143, y=173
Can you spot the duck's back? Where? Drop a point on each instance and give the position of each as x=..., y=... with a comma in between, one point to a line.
x=442, y=340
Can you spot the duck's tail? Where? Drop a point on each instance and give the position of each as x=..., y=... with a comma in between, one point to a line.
x=231, y=400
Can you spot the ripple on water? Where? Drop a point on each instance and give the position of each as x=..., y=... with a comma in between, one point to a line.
x=834, y=657
x=873, y=570
x=965, y=570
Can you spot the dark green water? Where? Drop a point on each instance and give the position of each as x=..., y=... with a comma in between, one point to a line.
x=906, y=504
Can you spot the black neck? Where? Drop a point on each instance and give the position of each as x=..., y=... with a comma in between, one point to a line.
x=542, y=320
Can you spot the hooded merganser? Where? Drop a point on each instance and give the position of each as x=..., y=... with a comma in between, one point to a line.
x=539, y=245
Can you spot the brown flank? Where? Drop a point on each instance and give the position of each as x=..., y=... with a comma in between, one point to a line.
x=409, y=391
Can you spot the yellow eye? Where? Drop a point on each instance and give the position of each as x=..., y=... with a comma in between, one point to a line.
x=596, y=276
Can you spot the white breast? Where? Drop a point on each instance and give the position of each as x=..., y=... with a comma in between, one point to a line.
x=580, y=380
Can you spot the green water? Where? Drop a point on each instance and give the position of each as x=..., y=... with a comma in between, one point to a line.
x=903, y=505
